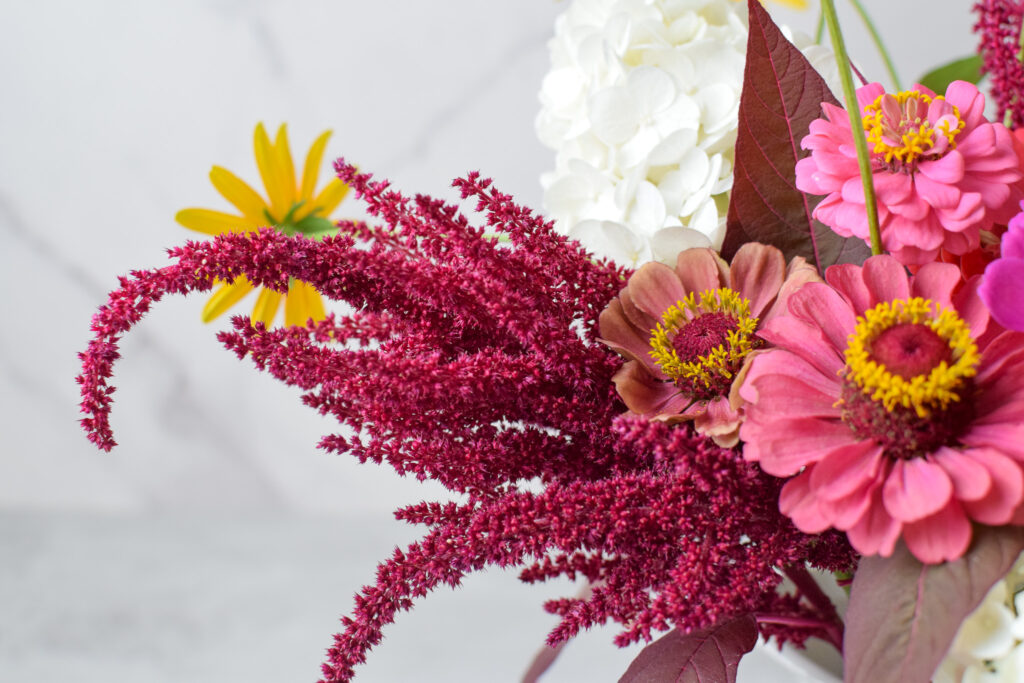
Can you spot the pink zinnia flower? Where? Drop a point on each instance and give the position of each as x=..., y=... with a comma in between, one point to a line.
x=689, y=332
x=1003, y=282
x=942, y=172
x=894, y=405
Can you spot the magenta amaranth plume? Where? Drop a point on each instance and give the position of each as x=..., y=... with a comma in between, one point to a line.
x=998, y=27
x=474, y=362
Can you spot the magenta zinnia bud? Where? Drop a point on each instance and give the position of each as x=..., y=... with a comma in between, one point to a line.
x=688, y=333
x=894, y=406
x=942, y=172
x=1003, y=282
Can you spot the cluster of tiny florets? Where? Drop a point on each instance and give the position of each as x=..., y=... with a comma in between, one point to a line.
x=473, y=361
x=998, y=28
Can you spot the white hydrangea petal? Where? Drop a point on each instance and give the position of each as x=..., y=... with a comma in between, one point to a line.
x=645, y=92
x=636, y=152
x=719, y=107
x=668, y=242
x=699, y=196
x=611, y=240
x=647, y=214
x=674, y=148
x=985, y=634
x=707, y=220
x=1018, y=623
x=683, y=112
x=651, y=89
x=614, y=115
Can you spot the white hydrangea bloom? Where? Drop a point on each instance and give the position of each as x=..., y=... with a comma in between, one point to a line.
x=989, y=647
x=641, y=108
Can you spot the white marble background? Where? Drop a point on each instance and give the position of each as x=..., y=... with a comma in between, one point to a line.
x=216, y=543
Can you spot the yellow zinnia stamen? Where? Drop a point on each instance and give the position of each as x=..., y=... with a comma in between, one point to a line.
x=924, y=392
x=899, y=128
x=731, y=315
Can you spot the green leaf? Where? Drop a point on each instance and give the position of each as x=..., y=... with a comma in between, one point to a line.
x=316, y=228
x=965, y=69
x=782, y=94
x=903, y=614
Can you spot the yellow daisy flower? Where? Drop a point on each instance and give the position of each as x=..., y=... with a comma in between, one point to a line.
x=292, y=208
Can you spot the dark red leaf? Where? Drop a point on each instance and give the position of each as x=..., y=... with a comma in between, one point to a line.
x=710, y=655
x=782, y=94
x=903, y=615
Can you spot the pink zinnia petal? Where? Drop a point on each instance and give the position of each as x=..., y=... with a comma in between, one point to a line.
x=916, y=488
x=720, y=422
x=641, y=392
x=877, y=532
x=805, y=340
x=885, y=279
x=846, y=469
x=757, y=273
x=699, y=270
x=999, y=504
x=618, y=333
x=793, y=443
x=655, y=288
x=971, y=480
x=821, y=305
x=949, y=169
x=797, y=502
x=941, y=537
x=936, y=281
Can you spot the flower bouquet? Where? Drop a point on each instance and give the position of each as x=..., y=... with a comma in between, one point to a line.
x=828, y=382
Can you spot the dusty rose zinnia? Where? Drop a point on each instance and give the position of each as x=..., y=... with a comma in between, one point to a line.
x=942, y=172
x=689, y=332
x=896, y=407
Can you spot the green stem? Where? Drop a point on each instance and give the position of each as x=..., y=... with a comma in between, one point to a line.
x=828, y=8
x=819, y=33
x=879, y=45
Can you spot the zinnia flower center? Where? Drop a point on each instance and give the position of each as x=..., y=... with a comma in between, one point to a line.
x=700, y=343
x=909, y=364
x=909, y=126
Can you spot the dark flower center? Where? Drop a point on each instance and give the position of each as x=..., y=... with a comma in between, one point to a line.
x=702, y=334
x=702, y=340
x=910, y=349
x=901, y=431
x=909, y=377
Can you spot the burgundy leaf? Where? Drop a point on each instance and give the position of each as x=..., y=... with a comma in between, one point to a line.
x=782, y=94
x=903, y=614
x=710, y=655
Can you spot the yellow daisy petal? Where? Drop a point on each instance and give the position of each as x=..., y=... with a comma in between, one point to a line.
x=266, y=306
x=266, y=161
x=302, y=303
x=212, y=222
x=283, y=154
x=311, y=170
x=329, y=198
x=795, y=4
x=226, y=296
x=238, y=192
